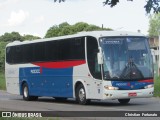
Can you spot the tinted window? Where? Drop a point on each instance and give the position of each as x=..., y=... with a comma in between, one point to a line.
x=14, y=54
x=39, y=52
x=57, y=50
x=68, y=49
x=9, y=54
x=27, y=53
x=51, y=51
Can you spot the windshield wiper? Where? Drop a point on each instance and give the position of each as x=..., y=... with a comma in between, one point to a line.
x=131, y=71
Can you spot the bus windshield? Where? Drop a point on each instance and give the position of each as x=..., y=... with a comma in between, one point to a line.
x=126, y=58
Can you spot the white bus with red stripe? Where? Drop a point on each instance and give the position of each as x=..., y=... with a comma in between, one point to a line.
x=95, y=65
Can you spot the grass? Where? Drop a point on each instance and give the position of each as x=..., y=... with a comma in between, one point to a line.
x=2, y=81
x=156, y=84
x=157, y=87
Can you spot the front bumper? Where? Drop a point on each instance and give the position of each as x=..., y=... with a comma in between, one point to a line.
x=123, y=94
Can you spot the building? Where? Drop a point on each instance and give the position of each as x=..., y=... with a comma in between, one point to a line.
x=154, y=45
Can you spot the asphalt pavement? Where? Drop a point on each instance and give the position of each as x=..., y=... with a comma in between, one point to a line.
x=10, y=102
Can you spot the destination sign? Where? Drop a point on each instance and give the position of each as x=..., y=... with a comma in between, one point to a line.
x=111, y=42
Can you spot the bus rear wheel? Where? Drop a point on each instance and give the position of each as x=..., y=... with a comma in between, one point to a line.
x=26, y=95
x=81, y=95
x=124, y=101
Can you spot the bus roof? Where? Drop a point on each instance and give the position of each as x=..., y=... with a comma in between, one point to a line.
x=96, y=34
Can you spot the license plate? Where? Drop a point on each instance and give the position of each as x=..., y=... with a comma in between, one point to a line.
x=132, y=94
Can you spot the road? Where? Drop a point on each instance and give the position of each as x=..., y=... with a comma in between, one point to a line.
x=9, y=102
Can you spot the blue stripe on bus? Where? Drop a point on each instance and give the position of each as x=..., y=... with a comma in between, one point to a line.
x=48, y=81
x=130, y=85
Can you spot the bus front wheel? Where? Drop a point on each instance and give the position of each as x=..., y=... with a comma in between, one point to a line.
x=124, y=101
x=81, y=95
x=26, y=95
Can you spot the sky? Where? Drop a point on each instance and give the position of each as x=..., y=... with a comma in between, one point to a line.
x=35, y=17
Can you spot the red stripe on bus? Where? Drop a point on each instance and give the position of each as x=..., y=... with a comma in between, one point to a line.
x=62, y=64
x=149, y=80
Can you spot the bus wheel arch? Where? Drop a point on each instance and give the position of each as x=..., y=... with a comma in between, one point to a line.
x=21, y=87
x=80, y=94
x=25, y=92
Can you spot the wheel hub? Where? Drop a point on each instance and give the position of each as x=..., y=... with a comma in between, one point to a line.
x=81, y=94
x=25, y=91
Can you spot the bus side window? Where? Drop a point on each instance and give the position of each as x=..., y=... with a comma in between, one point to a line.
x=28, y=53
x=39, y=52
x=9, y=55
x=14, y=54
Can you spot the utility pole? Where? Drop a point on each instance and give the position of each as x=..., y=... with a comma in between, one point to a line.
x=102, y=27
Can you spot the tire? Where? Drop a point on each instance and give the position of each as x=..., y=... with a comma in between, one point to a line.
x=26, y=95
x=124, y=101
x=81, y=95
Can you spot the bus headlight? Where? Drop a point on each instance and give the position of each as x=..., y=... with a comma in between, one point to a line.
x=149, y=86
x=110, y=87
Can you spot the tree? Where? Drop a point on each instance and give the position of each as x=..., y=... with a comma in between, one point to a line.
x=154, y=25
x=2, y=55
x=66, y=29
x=10, y=37
x=15, y=36
x=150, y=4
x=64, y=24
x=59, y=0
x=30, y=37
x=94, y=27
x=80, y=26
x=53, y=31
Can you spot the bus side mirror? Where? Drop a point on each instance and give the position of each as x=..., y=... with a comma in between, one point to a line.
x=100, y=57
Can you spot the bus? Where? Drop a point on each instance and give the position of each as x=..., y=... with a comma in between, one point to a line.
x=97, y=65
